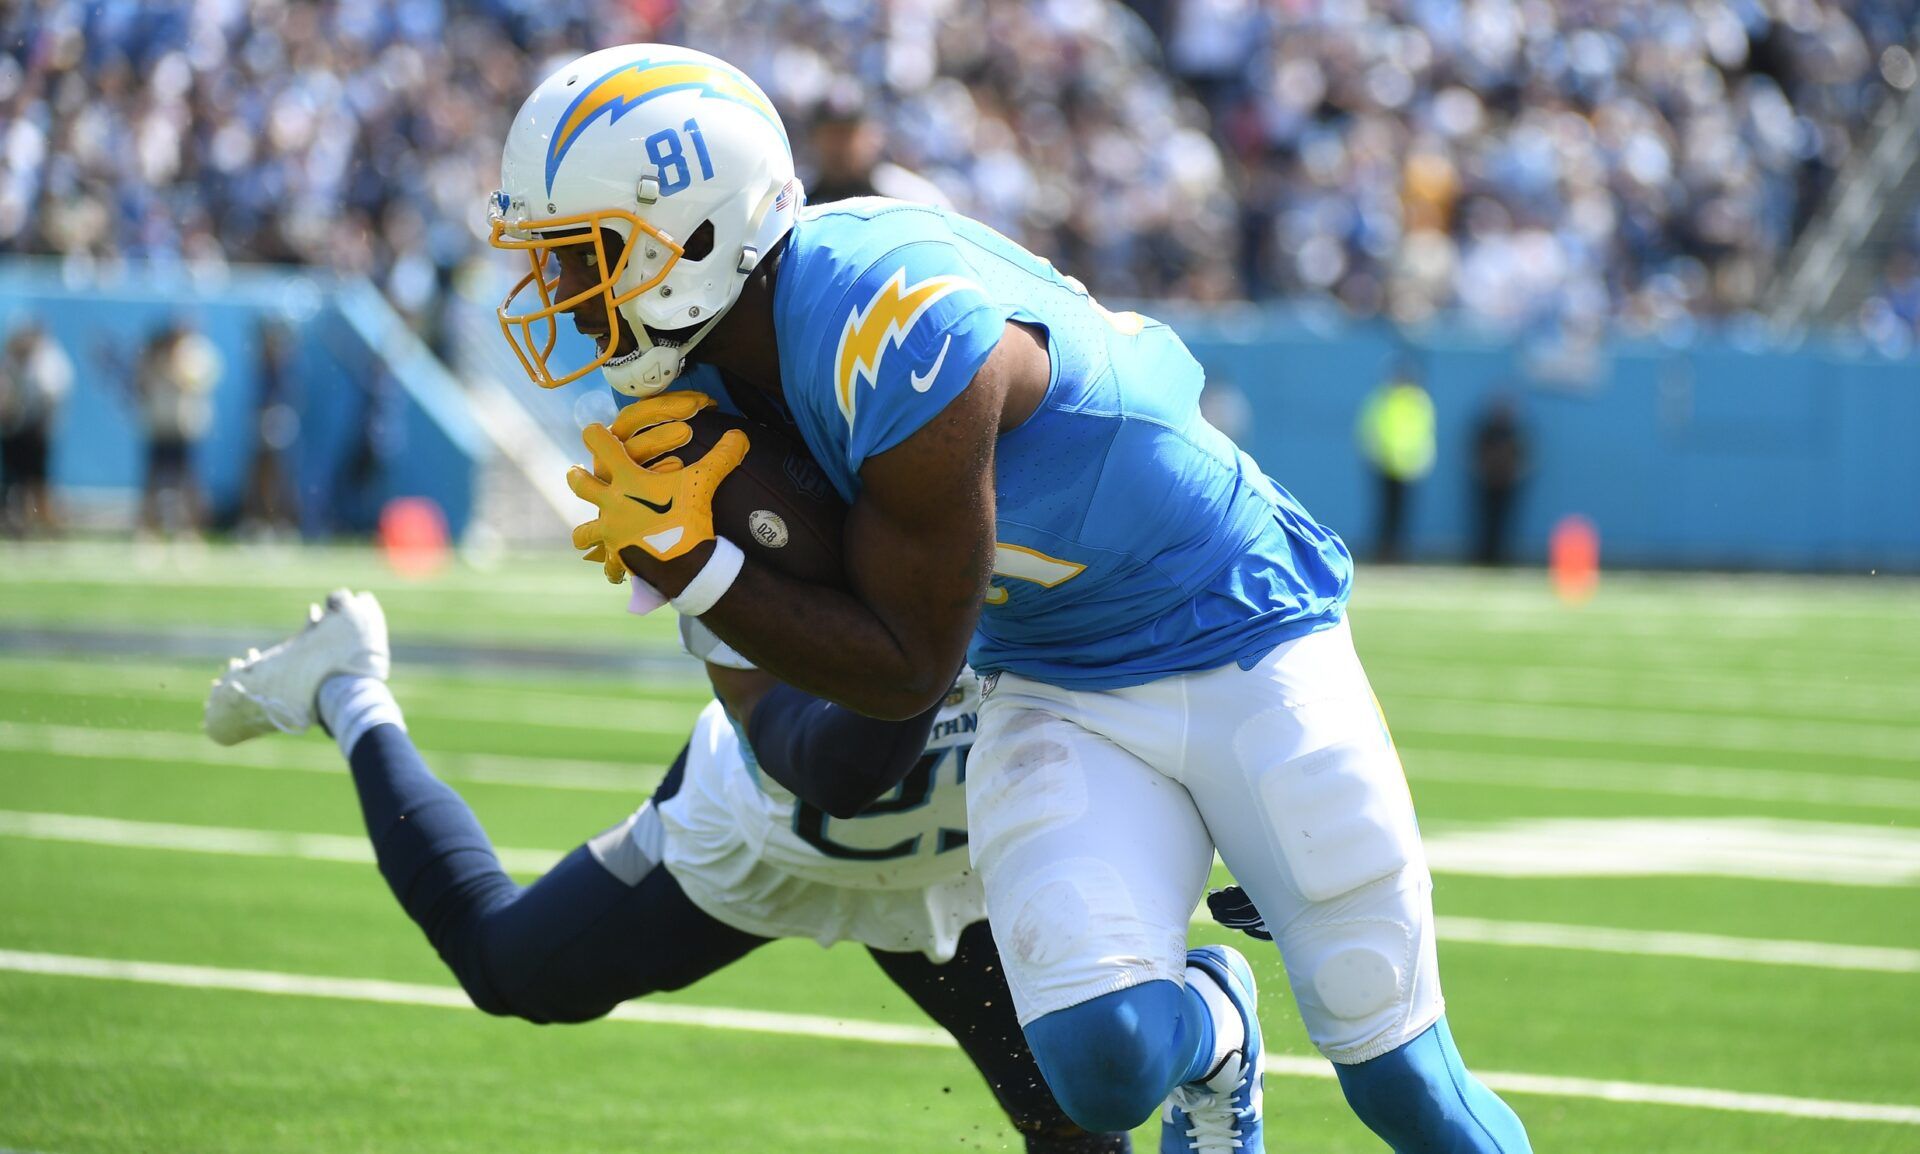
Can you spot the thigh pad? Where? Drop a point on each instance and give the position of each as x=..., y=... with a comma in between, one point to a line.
x=1342, y=817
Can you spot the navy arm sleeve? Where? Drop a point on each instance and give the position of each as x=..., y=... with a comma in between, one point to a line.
x=831, y=757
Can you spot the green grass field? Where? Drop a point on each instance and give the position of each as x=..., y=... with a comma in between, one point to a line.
x=1676, y=835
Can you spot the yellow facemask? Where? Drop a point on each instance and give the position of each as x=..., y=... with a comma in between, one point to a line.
x=536, y=238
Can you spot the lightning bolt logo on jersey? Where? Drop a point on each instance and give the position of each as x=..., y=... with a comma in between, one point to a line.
x=1134, y=540
x=882, y=324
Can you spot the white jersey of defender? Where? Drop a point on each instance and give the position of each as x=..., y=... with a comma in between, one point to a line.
x=752, y=855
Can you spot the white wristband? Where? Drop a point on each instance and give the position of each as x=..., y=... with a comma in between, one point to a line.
x=700, y=642
x=714, y=579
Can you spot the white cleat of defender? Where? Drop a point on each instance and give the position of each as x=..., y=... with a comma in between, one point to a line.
x=273, y=692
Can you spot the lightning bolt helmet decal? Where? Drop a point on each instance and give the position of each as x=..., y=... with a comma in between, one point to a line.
x=627, y=87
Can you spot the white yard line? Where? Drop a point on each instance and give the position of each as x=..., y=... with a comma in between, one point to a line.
x=1764, y=849
x=1659, y=943
x=88, y=830
x=633, y=711
x=1746, y=693
x=1416, y=715
x=306, y=757
x=632, y=714
x=1657, y=778
x=309, y=571
x=1493, y=641
x=1696, y=642
x=1636, y=597
x=85, y=830
x=1685, y=596
x=887, y=1033
x=1664, y=944
x=186, y=679
x=1827, y=739
x=1698, y=1098
x=1519, y=770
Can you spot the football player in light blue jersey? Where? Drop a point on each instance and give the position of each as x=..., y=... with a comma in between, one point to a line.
x=1031, y=484
x=1133, y=540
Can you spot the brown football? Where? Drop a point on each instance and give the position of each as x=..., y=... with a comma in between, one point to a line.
x=777, y=506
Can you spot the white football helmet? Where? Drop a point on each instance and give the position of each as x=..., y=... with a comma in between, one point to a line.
x=650, y=141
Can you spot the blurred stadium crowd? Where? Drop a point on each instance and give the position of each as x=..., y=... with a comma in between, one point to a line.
x=1582, y=160
x=1568, y=163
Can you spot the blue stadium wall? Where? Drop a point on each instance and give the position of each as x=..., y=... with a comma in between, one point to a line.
x=1714, y=453
x=379, y=417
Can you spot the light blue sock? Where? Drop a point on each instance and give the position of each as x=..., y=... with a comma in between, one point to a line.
x=1422, y=1100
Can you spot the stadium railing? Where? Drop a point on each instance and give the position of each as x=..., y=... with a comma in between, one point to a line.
x=379, y=416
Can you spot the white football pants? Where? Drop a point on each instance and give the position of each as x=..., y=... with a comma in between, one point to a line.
x=1094, y=815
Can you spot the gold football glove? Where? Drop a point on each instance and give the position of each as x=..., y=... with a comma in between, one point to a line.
x=664, y=411
x=650, y=427
x=665, y=509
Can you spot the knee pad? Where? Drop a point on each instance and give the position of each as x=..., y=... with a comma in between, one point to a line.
x=1358, y=981
x=1110, y=1062
x=1421, y=1100
x=1364, y=969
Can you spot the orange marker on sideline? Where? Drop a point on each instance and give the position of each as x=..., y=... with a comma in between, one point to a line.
x=1573, y=559
x=413, y=535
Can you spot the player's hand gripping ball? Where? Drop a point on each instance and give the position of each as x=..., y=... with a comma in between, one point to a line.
x=665, y=508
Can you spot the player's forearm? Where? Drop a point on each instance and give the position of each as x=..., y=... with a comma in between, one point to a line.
x=825, y=641
x=831, y=644
x=829, y=756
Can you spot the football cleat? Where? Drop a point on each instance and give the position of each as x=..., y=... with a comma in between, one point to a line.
x=274, y=691
x=1220, y=1114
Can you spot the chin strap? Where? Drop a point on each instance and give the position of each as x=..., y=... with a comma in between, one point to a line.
x=648, y=373
x=659, y=364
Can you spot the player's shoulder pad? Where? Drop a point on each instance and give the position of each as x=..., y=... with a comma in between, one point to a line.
x=908, y=327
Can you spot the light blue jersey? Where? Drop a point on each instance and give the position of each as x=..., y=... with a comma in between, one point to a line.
x=1134, y=540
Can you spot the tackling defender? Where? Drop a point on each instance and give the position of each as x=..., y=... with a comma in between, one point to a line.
x=725, y=857
x=1161, y=628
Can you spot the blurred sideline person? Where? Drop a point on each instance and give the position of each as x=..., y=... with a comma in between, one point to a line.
x=1161, y=628
x=174, y=383
x=270, y=507
x=1397, y=438
x=35, y=377
x=1501, y=461
x=848, y=144
x=728, y=855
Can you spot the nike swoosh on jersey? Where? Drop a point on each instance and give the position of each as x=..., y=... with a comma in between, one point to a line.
x=922, y=382
x=666, y=508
